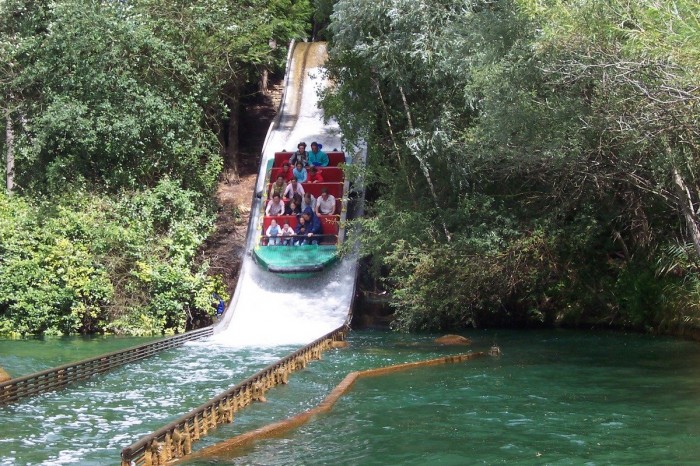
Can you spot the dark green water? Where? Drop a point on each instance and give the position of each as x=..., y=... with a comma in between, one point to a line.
x=553, y=397
x=26, y=356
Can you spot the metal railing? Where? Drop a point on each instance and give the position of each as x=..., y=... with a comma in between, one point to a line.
x=175, y=439
x=61, y=376
x=293, y=240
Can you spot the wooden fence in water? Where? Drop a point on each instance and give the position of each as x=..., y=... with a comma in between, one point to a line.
x=61, y=376
x=175, y=439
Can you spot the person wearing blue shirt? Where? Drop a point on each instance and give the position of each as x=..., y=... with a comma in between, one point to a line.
x=300, y=173
x=313, y=226
x=219, y=304
x=317, y=157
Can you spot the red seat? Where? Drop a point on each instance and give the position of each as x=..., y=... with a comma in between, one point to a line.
x=292, y=219
x=335, y=158
x=276, y=172
x=332, y=174
x=281, y=157
x=330, y=226
x=335, y=189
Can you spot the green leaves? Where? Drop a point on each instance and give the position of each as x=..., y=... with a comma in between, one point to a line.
x=49, y=282
x=93, y=264
x=104, y=100
x=120, y=95
x=556, y=132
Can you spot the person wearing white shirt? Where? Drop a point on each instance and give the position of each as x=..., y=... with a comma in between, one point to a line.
x=275, y=206
x=325, y=204
x=308, y=201
x=287, y=231
x=294, y=187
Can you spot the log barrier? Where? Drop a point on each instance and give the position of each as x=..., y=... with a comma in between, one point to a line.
x=175, y=440
x=61, y=376
x=277, y=428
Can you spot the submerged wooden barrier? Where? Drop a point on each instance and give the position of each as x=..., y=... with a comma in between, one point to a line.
x=293, y=422
x=61, y=376
x=175, y=439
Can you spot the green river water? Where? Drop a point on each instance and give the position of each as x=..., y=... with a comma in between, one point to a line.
x=553, y=397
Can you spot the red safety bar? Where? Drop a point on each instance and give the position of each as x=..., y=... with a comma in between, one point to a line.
x=334, y=189
x=329, y=174
x=335, y=158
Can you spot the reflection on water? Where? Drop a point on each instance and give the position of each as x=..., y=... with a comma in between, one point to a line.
x=553, y=397
x=29, y=355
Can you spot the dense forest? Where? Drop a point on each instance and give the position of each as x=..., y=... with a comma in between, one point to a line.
x=530, y=162
x=118, y=117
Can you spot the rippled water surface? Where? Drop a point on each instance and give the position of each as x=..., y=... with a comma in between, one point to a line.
x=89, y=423
x=553, y=397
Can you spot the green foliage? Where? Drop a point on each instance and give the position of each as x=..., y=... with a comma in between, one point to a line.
x=120, y=95
x=100, y=98
x=524, y=156
x=49, y=281
x=120, y=113
x=92, y=264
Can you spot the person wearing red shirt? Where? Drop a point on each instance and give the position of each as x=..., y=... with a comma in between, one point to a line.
x=315, y=175
x=286, y=172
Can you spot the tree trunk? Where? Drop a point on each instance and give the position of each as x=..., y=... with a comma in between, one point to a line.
x=10, y=161
x=232, y=134
x=424, y=165
x=264, y=78
x=685, y=202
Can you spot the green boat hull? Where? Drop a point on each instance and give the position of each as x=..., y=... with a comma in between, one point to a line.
x=296, y=261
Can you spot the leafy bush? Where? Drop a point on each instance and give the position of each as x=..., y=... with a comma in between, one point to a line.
x=88, y=263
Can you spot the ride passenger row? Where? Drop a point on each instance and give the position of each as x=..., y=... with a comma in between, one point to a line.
x=305, y=197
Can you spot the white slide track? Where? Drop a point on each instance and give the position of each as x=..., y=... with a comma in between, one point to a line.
x=267, y=309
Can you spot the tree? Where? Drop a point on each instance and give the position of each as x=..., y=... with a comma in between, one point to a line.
x=638, y=64
x=562, y=134
x=123, y=94
x=104, y=101
x=229, y=44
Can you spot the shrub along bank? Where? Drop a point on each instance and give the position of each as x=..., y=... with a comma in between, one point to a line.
x=86, y=263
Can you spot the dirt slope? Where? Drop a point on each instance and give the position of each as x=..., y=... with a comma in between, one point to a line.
x=224, y=248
